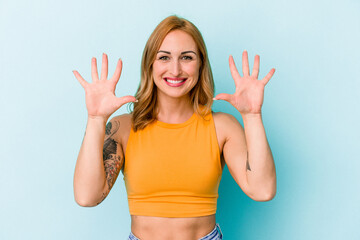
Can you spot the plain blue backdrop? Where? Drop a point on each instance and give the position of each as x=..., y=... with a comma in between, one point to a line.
x=310, y=111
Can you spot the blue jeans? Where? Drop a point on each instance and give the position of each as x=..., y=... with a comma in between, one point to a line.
x=215, y=234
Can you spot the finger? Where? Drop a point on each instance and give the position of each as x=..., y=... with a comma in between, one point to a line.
x=125, y=99
x=245, y=63
x=266, y=79
x=94, y=72
x=80, y=79
x=234, y=72
x=223, y=96
x=255, y=71
x=104, y=67
x=117, y=72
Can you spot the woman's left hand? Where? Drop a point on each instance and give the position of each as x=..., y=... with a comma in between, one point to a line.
x=249, y=93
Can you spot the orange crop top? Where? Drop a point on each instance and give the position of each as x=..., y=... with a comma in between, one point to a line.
x=173, y=170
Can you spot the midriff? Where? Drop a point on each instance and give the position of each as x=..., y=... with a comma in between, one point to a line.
x=190, y=228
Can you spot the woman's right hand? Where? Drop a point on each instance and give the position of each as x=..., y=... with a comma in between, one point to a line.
x=100, y=97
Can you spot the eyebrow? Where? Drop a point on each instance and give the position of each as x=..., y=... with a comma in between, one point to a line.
x=181, y=53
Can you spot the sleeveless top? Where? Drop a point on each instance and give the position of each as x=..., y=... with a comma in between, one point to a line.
x=173, y=170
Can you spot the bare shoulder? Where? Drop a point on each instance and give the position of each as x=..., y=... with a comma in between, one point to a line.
x=120, y=127
x=226, y=123
x=227, y=127
x=221, y=116
x=124, y=119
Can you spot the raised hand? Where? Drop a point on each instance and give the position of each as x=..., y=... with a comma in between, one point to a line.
x=100, y=94
x=249, y=91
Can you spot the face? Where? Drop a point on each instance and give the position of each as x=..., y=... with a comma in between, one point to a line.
x=177, y=64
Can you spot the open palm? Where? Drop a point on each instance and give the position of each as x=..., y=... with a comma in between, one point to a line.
x=100, y=94
x=249, y=91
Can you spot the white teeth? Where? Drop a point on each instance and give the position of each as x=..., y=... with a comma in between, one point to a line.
x=174, y=81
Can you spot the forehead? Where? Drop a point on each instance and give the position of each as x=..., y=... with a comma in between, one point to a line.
x=178, y=40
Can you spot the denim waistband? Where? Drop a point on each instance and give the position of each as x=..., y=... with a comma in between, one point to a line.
x=215, y=234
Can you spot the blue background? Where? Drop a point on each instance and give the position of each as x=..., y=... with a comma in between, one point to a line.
x=310, y=110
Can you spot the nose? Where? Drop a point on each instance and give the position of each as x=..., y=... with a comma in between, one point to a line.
x=175, y=68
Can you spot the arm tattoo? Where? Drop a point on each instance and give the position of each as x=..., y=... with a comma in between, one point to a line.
x=112, y=161
x=103, y=197
x=247, y=162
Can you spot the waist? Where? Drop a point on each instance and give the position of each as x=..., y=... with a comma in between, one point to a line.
x=148, y=227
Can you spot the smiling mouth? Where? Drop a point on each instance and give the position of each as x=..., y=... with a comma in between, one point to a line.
x=175, y=80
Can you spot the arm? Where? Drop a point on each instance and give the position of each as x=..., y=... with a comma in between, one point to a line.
x=247, y=153
x=261, y=174
x=100, y=158
x=99, y=162
x=248, y=156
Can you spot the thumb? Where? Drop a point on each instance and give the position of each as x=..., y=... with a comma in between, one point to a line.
x=223, y=96
x=123, y=100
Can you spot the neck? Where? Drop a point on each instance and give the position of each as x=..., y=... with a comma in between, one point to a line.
x=174, y=110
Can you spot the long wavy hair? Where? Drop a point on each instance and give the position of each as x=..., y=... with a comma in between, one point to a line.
x=201, y=96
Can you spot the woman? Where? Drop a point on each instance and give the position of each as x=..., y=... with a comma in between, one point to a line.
x=172, y=148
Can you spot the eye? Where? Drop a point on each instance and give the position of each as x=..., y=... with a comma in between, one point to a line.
x=186, y=57
x=164, y=58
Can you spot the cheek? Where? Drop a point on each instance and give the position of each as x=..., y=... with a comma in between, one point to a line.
x=157, y=70
x=194, y=73
x=193, y=69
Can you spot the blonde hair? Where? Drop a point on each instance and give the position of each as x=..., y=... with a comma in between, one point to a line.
x=201, y=96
